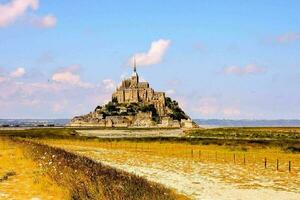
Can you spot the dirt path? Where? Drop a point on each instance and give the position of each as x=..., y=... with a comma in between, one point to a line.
x=194, y=179
x=135, y=133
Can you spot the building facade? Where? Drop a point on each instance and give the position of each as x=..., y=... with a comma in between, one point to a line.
x=132, y=90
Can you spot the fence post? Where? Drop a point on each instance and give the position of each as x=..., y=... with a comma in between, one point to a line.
x=290, y=166
x=192, y=153
x=277, y=164
x=244, y=159
x=265, y=163
x=200, y=154
x=234, y=158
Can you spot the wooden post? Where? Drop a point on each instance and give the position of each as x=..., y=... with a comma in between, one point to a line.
x=244, y=159
x=200, y=154
x=277, y=164
x=290, y=166
x=234, y=158
x=192, y=153
x=265, y=163
x=216, y=156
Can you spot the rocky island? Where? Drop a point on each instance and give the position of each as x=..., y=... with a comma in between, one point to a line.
x=136, y=104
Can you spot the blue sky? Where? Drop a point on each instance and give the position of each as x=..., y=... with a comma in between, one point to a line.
x=219, y=59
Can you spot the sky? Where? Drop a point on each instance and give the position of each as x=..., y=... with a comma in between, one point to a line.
x=230, y=59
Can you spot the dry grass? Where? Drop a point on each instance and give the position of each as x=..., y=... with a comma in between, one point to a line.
x=245, y=162
x=230, y=155
x=87, y=179
x=21, y=178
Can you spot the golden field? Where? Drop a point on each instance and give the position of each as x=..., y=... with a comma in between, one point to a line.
x=223, y=163
x=21, y=178
x=247, y=168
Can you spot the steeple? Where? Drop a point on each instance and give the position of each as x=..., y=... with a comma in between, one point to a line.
x=134, y=68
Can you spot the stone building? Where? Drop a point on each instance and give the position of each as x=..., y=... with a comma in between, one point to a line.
x=132, y=90
x=136, y=104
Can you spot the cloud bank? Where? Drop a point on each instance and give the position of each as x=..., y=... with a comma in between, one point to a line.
x=19, y=72
x=14, y=9
x=70, y=76
x=154, y=55
x=61, y=94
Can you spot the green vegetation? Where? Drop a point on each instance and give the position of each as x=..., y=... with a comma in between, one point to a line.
x=114, y=100
x=177, y=112
x=152, y=109
x=111, y=107
x=267, y=133
x=115, y=108
x=286, y=138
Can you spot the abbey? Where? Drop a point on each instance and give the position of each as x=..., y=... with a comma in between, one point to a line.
x=136, y=104
x=133, y=91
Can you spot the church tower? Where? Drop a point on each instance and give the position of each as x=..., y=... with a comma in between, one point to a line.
x=135, y=76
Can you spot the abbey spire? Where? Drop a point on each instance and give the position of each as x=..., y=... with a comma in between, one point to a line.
x=134, y=68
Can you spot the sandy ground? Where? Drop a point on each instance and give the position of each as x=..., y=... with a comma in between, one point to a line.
x=131, y=133
x=197, y=180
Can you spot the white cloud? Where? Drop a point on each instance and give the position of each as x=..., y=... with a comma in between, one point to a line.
x=69, y=76
x=109, y=84
x=10, y=11
x=247, y=69
x=206, y=106
x=43, y=99
x=153, y=56
x=19, y=72
x=170, y=92
x=47, y=21
x=212, y=107
x=14, y=9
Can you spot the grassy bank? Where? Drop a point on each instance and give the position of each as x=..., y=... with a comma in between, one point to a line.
x=22, y=178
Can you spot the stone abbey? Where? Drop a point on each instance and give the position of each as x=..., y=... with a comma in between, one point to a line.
x=136, y=104
x=133, y=91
